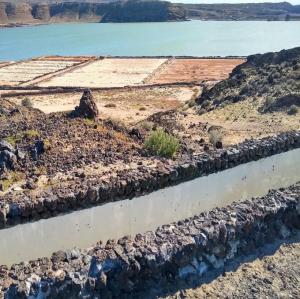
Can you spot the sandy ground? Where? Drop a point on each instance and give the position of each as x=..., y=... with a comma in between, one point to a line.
x=107, y=73
x=274, y=276
x=239, y=121
x=196, y=70
x=127, y=105
x=18, y=73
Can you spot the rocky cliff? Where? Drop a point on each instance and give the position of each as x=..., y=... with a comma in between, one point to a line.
x=143, y=11
x=129, y=11
x=32, y=11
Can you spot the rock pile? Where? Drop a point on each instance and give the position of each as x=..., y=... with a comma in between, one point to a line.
x=87, y=107
x=175, y=252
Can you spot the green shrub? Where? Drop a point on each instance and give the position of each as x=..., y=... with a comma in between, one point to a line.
x=27, y=103
x=162, y=144
x=146, y=125
x=110, y=105
x=293, y=110
x=205, y=104
x=269, y=103
x=191, y=103
x=215, y=136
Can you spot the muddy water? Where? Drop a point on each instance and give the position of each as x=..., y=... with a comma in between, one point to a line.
x=114, y=220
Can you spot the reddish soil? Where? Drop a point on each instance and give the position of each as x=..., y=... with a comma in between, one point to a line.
x=196, y=70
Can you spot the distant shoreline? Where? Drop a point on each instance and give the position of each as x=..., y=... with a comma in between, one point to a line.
x=16, y=25
x=26, y=14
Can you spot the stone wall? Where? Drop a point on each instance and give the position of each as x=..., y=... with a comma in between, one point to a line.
x=173, y=253
x=140, y=181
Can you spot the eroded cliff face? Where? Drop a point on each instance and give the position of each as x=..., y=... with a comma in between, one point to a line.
x=41, y=12
x=131, y=11
x=143, y=11
x=3, y=15
x=16, y=13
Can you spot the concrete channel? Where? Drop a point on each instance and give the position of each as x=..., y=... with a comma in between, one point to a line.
x=114, y=220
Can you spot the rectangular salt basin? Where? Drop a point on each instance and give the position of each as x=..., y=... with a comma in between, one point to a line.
x=110, y=72
x=128, y=217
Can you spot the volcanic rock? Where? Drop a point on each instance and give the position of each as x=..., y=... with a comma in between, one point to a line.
x=8, y=158
x=272, y=77
x=87, y=107
x=4, y=145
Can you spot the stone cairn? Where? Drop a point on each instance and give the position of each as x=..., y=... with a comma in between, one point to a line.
x=87, y=107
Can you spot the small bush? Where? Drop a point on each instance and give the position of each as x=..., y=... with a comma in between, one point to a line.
x=215, y=136
x=143, y=108
x=191, y=103
x=293, y=110
x=27, y=103
x=31, y=134
x=110, y=105
x=244, y=90
x=205, y=104
x=146, y=125
x=162, y=144
x=223, y=104
x=276, y=75
x=269, y=103
x=201, y=111
x=47, y=144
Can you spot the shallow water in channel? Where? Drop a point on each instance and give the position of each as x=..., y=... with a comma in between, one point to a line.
x=114, y=220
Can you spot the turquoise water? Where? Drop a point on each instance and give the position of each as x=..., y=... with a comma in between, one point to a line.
x=183, y=38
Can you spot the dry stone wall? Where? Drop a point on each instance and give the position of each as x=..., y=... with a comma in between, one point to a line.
x=175, y=252
x=140, y=181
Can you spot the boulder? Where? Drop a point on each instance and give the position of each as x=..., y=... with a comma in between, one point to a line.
x=4, y=145
x=87, y=107
x=7, y=160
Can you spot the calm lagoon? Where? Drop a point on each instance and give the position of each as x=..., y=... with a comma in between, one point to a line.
x=197, y=38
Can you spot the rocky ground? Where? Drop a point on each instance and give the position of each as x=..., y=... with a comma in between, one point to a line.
x=55, y=150
x=34, y=144
x=46, y=154
x=272, y=276
x=126, y=105
x=271, y=77
x=236, y=123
